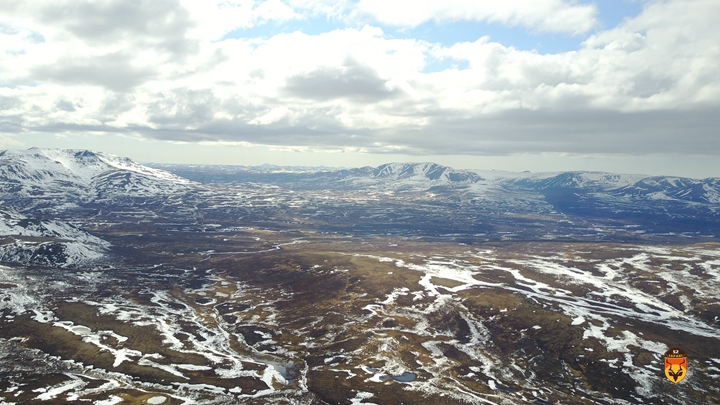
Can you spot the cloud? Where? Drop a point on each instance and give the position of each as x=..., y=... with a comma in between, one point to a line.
x=8, y=103
x=11, y=114
x=164, y=71
x=351, y=81
x=182, y=108
x=577, y=132
x=216, y=18
x=547, y=15
x=9, y=142
x=335, y=9
x=65, y=105
x=114, y=71
x=273, y=10
x=157, y=23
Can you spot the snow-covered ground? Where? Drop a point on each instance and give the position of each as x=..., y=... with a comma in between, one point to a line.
x=68, y=175
x=50, y=242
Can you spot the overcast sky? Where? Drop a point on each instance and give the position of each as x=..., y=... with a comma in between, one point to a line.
x=540, y=85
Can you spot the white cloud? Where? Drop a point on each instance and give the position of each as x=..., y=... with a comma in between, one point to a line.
x=7, y=141
x=632, y=88
x=215, y=18
x=547, y=15
x=336, y=9
x=274, y=10
x=667, y=57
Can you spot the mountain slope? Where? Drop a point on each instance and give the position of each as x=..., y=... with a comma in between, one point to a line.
x=587, y=181
x=675, y=188
x=48, y=242
x=386, y=177
x=42, y=176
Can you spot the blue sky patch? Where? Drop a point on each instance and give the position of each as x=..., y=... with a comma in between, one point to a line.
x=611, y=13
x=470, y=31
x=311, y=26
x=614, y=12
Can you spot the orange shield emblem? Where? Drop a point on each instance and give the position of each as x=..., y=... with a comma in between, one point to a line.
x=675, y=365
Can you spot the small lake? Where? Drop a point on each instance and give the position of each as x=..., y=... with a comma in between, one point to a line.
x=205, y=301
x=405, y=377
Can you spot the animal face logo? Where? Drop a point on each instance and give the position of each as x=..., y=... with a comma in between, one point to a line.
x=675, y=365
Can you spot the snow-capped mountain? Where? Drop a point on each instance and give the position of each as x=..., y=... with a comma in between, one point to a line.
x=675, y=188
x=608, y=188
x=423, y=172
x=588, y=181
x=398, y=177
x=40, y=241
x=389, y=177
x=79, y=175
x=40, y=187
x=49, y=183
x=426, y=176
x=663, y=204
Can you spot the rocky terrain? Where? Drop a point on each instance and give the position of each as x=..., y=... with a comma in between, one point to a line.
x=405, y=283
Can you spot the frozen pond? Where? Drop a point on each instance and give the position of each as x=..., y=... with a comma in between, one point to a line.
x=81, y=330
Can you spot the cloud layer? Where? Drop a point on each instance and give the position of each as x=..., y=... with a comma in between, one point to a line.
x=185, y=70
x=548, y=15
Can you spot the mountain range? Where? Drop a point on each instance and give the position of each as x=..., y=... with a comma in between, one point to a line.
x=665, y=203
x=54, y=185
x=94, y=176
x=403, y=283
x=423, y=176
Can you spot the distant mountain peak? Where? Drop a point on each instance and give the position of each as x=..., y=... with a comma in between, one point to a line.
x=84, y=174
x=587, y=180
x=424, y=170
x=80, y=162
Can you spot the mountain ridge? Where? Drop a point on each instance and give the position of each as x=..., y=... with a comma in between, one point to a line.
x=57, y=180
x=79, y=175
x=424, y=175
x=313, y=287
x=89, y=175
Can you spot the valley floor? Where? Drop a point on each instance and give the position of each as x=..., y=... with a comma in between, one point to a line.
x=292, y=318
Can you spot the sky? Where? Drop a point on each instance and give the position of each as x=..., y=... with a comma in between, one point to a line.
x=629, y=86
